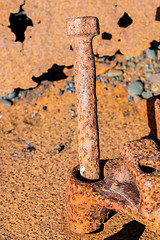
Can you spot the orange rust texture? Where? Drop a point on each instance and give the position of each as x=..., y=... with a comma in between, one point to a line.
x=46, y=42
x=33, y=184
x=83, y=30
x=145, y=153
x=126, y=189
x=157, y=113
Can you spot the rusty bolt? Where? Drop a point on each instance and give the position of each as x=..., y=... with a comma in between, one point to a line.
x=84, y=29
x=131, y=182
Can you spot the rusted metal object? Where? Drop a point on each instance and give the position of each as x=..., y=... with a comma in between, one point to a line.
x=131, y=183
x=131, y=186
x=84, y=29
x=150, y=111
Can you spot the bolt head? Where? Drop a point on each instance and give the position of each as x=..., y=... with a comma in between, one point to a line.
x=83, y=26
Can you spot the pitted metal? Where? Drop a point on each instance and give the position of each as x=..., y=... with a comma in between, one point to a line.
x=131, y=183
x=84, y=29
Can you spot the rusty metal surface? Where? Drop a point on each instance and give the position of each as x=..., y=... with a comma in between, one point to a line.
x=142, y=160
x=150, y=111
x=46, y=44
x=84, y=29
x=131, y=184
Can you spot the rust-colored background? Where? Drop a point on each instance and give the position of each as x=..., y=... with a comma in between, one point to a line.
x=33, y=183
x=46, y=43
x=38, y=149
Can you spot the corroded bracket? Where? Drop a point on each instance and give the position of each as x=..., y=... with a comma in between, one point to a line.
x=131, y=186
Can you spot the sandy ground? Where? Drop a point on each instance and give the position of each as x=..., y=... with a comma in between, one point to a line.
x=38, y=149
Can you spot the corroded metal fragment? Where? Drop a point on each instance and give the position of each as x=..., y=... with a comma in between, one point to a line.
x=131, y=184
x=150, y=110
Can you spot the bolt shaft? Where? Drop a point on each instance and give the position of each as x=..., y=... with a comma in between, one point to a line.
x=85, y=81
